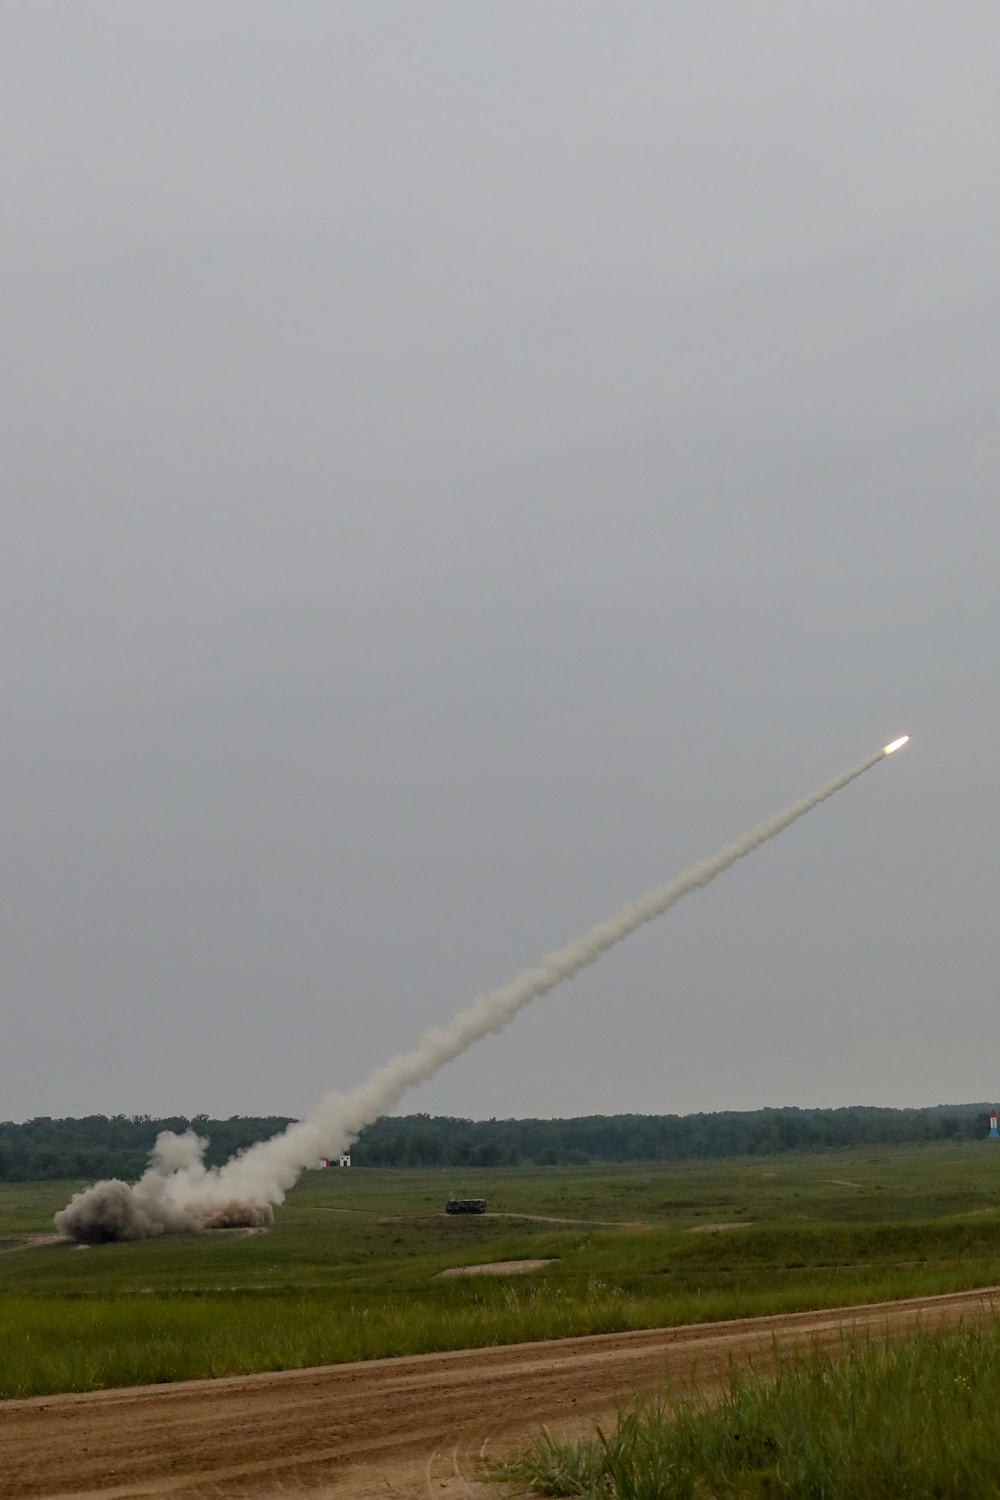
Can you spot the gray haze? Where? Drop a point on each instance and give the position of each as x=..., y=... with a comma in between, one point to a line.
x=460, y=465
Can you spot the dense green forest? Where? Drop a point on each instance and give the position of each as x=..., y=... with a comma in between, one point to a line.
x=425, y=1140
x=118, y=1146
x=115, y=1146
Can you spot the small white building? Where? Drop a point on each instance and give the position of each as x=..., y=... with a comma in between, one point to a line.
x=345, y=1160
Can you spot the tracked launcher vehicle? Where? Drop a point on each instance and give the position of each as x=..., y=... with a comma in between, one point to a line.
x=465, y=1206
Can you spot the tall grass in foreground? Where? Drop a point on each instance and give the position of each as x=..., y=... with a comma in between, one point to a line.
x=50, y=1344
x=916, y=1419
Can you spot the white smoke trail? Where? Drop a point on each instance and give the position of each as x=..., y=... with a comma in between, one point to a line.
x=179, y=1192
x=176, y=1193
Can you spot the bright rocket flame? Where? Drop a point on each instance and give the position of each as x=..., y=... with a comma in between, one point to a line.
x=896, y=744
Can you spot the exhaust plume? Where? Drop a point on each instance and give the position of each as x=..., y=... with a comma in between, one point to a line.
x=178, y=1192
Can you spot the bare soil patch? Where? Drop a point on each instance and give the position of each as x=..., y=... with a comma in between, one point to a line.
x=720, y=1228
x=13, y=1242
x=497, y=1268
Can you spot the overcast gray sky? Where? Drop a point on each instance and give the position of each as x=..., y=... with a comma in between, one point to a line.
x=462, y=462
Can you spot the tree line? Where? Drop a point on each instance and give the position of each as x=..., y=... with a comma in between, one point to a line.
x=115, y=1145
x=119, y=1145
x=430, y=1141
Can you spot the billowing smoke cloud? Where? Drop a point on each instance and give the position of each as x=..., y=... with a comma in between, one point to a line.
x=179, y=1192
x=174, y=1194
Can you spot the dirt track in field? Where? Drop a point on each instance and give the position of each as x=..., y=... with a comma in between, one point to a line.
x=396, y=1427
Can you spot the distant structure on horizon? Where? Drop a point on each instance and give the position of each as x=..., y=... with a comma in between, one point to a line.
x=327, y=1161
x=994, y=1133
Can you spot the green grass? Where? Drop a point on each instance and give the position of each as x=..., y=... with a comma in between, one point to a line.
x=875, y=1421
x=350, y=1269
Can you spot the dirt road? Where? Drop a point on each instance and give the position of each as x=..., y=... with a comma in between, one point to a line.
x=399, y=1427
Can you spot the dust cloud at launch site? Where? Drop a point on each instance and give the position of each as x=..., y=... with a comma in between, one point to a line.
x=179, y=1193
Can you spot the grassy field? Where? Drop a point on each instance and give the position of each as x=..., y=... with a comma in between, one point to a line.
x=873, y=1421
x=350, y=1270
